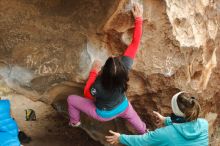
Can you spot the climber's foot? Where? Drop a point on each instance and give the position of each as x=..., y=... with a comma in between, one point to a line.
x=75, y=125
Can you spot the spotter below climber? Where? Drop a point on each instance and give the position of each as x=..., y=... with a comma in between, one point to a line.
x=182, y=128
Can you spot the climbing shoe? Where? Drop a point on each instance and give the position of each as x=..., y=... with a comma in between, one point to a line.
x=75, y=125
x=23, y=138
x=30, y=115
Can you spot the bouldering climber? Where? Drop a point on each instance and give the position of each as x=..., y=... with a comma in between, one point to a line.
x=106, y=86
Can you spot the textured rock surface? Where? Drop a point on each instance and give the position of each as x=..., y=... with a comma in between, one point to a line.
x=47, y=47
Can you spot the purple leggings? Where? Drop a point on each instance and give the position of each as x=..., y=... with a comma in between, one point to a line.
x=77, y=104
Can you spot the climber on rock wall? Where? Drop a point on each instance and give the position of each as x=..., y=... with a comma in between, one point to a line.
x=182, y=128
x=8, y=127
x=106, y=86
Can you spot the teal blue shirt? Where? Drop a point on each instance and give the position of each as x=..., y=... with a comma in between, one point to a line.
x=114, y=112
x=193, y=133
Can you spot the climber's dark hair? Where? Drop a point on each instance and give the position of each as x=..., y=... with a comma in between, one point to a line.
x=189, y=106
x=114, y=75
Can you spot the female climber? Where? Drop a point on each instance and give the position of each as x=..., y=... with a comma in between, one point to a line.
x=182, y=128
x=105, y=89
x=8, y=127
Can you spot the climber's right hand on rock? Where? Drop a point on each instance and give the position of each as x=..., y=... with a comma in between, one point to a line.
x=159, y=118
x=97, y=64
x=137, y=10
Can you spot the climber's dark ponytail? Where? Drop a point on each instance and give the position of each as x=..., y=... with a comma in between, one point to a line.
x=114, y=75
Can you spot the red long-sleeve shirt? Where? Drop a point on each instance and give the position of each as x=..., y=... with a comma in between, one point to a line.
x=129, y=52
x=92, y=76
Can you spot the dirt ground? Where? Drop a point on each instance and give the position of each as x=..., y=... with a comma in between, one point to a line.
x=50, y=129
